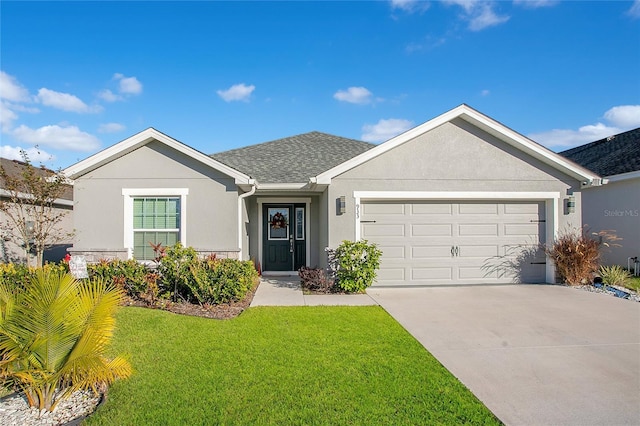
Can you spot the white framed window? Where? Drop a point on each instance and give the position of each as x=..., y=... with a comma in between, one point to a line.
x=152, y=216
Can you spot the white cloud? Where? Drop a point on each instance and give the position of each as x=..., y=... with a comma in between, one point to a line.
x=534, y=4
x=128, y=85
x=7, y=116
x=110, y=128
x=11, y=89
x=237, y=92
x=354, y=95
x=627, y=116
x=35, y=155
x=486, y=18
x=68, y=138
x=385, y=129
x=108, y=96
x=621, y=119
x=479, y=14
x=410, y=6
x=65, y=101
x=634, y=11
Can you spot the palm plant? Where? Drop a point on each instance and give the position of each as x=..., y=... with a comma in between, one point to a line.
x=53, y=335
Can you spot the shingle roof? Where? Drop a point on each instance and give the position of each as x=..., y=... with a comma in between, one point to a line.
x=609, y=156
x=14, y=169
x=294, y=159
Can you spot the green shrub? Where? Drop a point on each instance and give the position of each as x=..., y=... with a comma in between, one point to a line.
x=14, y=276
x=174, y=268
x=576, y=253
x=615, y=275
x=214, y=281
x=357, y=262
x=128, y=275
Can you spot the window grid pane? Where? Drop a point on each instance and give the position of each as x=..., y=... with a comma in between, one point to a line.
x=149, y=215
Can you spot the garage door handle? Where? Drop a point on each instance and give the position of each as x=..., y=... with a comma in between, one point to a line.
x=367, y=221
x=457, y=251
x=453, y=250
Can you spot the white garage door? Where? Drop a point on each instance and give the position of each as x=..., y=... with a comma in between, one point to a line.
x=466, y=242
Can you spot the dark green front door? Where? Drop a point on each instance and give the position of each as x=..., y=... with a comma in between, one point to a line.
x=284, y=239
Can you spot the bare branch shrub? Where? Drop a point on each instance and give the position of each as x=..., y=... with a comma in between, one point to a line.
x=576, y=253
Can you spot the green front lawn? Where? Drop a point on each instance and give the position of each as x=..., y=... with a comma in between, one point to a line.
x=281, y=366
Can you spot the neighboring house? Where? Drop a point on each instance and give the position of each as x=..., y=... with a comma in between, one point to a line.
x=616, y=205
x=11, y=250
x=448, y=202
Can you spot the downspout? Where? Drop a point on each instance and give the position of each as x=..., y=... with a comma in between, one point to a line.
x=241, y=197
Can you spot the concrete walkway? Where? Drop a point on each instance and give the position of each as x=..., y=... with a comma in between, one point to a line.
x=286, y=291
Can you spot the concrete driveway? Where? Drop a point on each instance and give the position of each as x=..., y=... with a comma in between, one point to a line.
x=533, y=354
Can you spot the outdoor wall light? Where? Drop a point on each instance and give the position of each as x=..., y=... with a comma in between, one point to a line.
x=571, y=204
x=342, y=204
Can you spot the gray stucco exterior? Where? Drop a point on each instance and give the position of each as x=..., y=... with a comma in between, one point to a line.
x=615, y=207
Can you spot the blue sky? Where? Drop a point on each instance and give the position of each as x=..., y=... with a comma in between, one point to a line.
x=77, y=77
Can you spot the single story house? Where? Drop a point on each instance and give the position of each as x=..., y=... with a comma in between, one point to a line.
x=616, y=205
x=459, y=199
x=11, y=245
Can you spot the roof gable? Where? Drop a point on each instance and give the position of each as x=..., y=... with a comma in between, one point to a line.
x=610, y=156
x=140, y=139
x=480, y=121
x=293, y=159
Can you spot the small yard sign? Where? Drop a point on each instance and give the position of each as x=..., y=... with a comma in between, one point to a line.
x=78, y=267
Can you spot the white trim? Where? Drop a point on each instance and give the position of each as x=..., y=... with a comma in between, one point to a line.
x=130, y=193
x=281, y=186
x=24, y=196
x=551, y=200
x=153, y=192
x=280, y=200
x=454, y=195
x=140, y=139
x=624, y=176
x=479, y=120
x=241, y=228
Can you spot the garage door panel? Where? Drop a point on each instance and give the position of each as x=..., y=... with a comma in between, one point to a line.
x=392, y=274
x=522, y=208
x=521, y=229
x=431, y=252
x=481, y=252
x=383, y=209
x=393, y=252
x=439, y=274
x=476, y=273
x=478, y=208
x=431, y=209
x=380, y=230
x=476, y=229
x=429, y=230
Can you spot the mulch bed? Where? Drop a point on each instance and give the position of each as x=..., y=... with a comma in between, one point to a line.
x=221, y=312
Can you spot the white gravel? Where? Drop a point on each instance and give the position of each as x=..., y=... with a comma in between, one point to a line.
x=633, y=296
x=14, y=410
